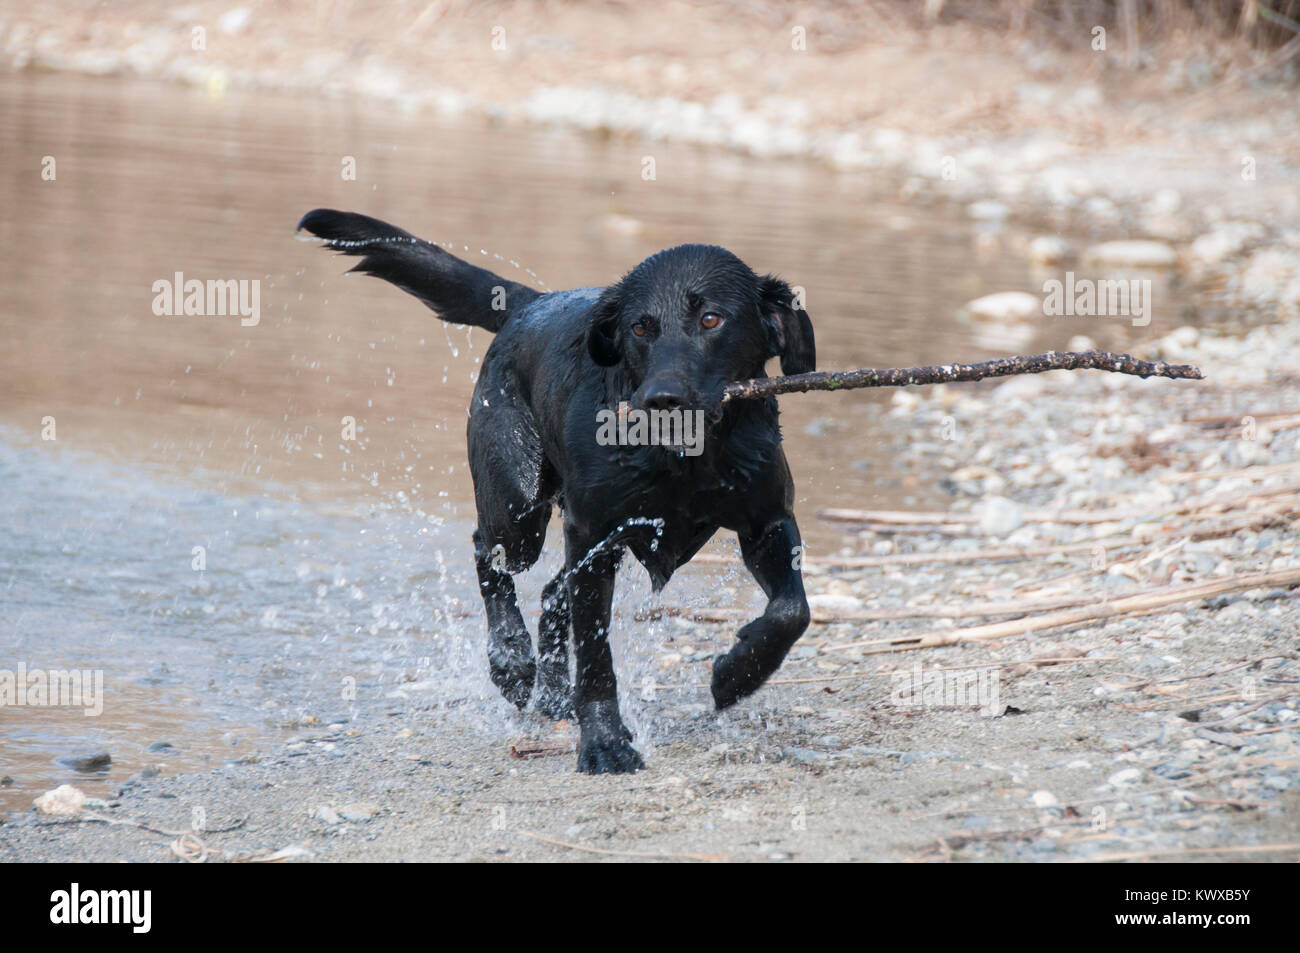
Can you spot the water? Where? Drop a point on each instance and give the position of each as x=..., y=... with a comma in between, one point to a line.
x=325, y=559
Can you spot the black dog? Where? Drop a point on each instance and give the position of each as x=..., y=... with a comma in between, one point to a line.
x=667, y=337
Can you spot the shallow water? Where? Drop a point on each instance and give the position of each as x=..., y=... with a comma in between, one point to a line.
x=329, y=560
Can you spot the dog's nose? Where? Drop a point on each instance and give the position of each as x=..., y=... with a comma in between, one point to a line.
x=662, y=398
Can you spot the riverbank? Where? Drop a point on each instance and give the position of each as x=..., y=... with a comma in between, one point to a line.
x=1165, y=731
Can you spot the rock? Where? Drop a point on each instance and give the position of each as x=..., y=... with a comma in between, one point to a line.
x=65, y=799
x=1165, y=202
x=1048, y=250
x=233, y=20
x=1222, y=243
x=1271, y=277
x=833, y=602
x=1132, y=254
x=1020, y=388
x=803, y=755
x=987, y=211
x=623, y=226
x=1006, y=306
x=999, y=516
x=1124, y=778
x=1044, y=799
x=327, y=814
x=160, y=746
x=88, y=763
x=358, y=812
x=1102, y=210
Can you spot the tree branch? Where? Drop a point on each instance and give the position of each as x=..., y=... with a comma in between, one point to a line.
x=952, y=373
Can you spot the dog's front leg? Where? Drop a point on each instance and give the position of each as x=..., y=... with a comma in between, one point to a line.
x=773, y=555
x=603, y=745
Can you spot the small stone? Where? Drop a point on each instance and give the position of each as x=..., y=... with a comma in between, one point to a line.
x=987, y=210
x=1125, y=777
x=999, y=516
x=1044, y=799
x=803, y=755
x=1133, y=254
x=1006, y=306
x=359, y=812
x=1048, y=250
x=88, y=763
x=65, y=799
x=327, y=814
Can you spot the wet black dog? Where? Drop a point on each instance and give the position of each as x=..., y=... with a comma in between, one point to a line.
x=666, y=338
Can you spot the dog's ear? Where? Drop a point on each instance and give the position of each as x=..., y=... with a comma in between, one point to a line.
x=602, y=336
x=789, y=329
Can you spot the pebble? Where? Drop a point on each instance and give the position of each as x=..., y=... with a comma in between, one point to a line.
x=999, y=516
x=1048, y=250
x=1132, y=254
x=1124, y=777
x=362, y=811
x=65, y=799
x=88, y=763
x=1006, y=306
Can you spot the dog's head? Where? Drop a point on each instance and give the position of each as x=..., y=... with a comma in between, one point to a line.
x=691, y=319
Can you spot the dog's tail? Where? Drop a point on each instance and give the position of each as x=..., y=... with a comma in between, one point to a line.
x=458, y=291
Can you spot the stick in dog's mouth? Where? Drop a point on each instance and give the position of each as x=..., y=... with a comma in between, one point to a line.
x=956, y=373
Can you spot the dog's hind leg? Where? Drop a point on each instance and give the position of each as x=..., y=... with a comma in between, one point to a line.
x=510, y=647
x=513, y=489
x=554, y=693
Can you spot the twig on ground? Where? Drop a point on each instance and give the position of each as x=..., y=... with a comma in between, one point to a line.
x=654, y=854
x=1154, y=601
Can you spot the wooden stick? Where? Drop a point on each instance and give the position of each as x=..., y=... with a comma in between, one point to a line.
x=1011, y=607
x=954, y=373
x=1253, y=472
x=1084, y=517
x=657, y=854
x=1156, y=600
x=1004, y=553
x=1185, y=851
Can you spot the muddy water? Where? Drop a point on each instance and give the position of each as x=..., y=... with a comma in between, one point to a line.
x=198, y=531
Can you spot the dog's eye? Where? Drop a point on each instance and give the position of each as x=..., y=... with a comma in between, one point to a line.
x=639, y=329
x=710, y=321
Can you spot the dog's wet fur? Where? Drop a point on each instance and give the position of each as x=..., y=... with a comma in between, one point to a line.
x=669, y=335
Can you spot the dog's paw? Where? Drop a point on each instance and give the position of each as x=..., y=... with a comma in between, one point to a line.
x=608, y=756
x=738, y=673
x=729, y=684
x=513, y=668
x=604, y=746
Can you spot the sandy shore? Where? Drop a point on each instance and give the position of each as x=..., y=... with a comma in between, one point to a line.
x=1161, y=733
